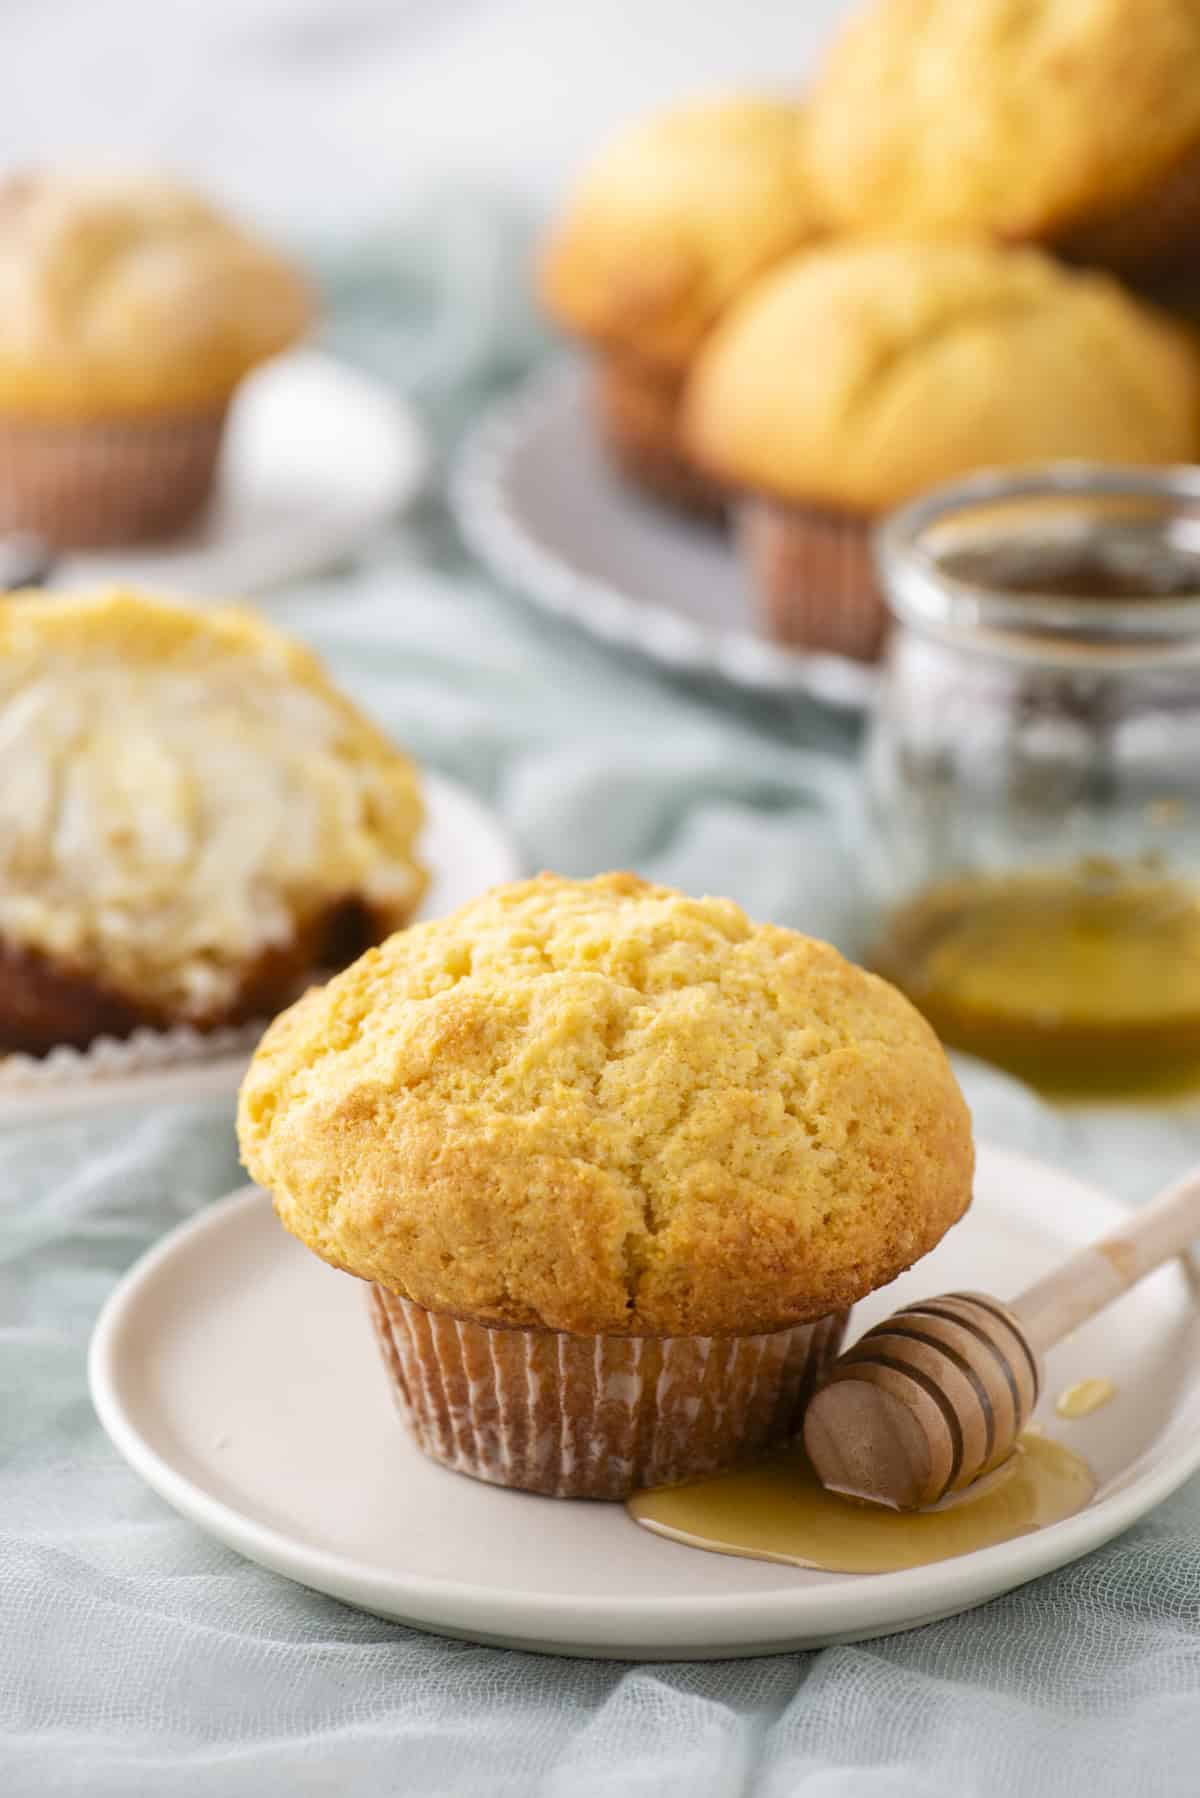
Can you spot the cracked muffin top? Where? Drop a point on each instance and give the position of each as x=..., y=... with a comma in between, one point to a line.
x=601, y=1106
x=675, y=217
x=856, y=376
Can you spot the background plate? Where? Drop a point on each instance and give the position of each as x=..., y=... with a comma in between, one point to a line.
x=238, y=1375
x=538, y=502
x=464, y=846
x=317, y=457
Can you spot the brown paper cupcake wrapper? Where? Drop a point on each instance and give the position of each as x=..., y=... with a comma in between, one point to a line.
x=1159, y=232
x=108, y=1058
x=594, y=1416
x=96, y=485
x=813, y=578
x=637, y=412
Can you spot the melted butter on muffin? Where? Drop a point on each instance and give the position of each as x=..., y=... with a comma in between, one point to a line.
x=184, y=793
x=603, y=1106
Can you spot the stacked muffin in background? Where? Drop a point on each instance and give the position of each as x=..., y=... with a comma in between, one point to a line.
x=671, y=225
x=761, y=348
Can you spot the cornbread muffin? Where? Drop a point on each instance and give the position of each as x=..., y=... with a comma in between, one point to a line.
x=676, y=216
x=192, y=819
x=1073, y=123
x=853, y=378
x=130, y=310
x=582, y=1136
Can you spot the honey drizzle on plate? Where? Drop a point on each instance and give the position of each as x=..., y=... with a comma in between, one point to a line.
x=777, y=1510
x=1084, y=1397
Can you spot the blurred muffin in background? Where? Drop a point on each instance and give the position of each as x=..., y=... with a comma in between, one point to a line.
x=855, y=377
x=673, y=220
x=1070, y=123
x=130, y=310
x=193, y=820
x=1178, y=294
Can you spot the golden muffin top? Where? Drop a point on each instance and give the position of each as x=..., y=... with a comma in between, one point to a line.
x=857, y=376
x=600, y=1106
x=1005, y=116
x=182, y=792
x=674, y=218
x=123, y=295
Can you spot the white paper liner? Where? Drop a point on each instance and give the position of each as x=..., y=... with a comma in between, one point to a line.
x=575, y=1416
x=112, y=1058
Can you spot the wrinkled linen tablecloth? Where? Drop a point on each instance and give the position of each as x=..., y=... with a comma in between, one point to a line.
x=137, y=1656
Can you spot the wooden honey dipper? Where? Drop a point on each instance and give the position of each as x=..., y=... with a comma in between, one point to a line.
x=937, y=1394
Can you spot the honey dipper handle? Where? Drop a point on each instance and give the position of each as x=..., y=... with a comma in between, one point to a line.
x=1055, y=1305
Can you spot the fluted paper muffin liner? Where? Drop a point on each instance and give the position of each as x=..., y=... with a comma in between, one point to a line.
x=111, y=1058
x=594, y=1416
x=100, y=484
x=637, y=413
x=813, y=578
x=1159, y=231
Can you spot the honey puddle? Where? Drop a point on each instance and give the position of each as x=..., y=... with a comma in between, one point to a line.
x=777, y=1510
x=1084, y=1397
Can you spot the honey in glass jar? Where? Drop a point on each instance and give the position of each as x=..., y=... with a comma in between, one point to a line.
x=1033, y=773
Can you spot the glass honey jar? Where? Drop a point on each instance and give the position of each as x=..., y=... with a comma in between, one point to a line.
x=1033, y=773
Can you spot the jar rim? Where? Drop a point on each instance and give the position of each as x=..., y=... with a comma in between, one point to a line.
x=1046, y=626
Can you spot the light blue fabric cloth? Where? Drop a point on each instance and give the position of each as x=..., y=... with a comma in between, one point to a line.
x=136, y=1656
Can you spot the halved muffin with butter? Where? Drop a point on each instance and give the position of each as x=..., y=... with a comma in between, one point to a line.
x=192, y=819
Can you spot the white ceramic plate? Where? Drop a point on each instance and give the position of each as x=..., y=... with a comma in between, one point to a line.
x=465, y=848
x=237, y=1374
x=538, y=502
x=317, y=457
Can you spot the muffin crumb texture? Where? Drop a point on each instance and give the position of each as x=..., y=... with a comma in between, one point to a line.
x=603, y=1106
x=189, y=807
